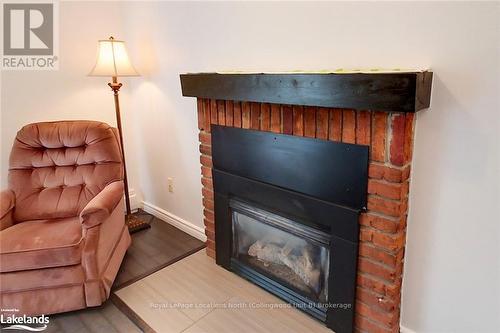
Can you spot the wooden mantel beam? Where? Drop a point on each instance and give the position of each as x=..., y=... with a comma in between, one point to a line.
x=393, y=91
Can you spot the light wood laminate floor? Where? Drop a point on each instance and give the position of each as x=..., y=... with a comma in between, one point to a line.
x=194, y=295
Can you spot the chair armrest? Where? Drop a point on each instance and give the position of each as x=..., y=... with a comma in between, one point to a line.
x=7, y=203
x=100, y=207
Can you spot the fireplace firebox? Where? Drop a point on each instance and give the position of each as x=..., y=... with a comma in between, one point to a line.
x=286, y=211
x=294, y=255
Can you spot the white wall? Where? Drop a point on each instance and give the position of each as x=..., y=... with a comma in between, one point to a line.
x=452, y=267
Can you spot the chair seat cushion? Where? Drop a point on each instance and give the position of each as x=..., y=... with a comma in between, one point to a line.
x=41, y=244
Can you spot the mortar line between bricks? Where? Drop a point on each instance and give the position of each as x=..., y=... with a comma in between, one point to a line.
x=403, y=214
x=381, y=197
x=389, y=137
x=383, y=232
x=390, y=165
x=379, y=263
x=374, y=322
x=386, y=182
x=394, y=166
x=211, y=211
x=397, y=233
x=395, y=252
x=378, y=309
x=376, y=278
x=378, y=295
x=382, y=215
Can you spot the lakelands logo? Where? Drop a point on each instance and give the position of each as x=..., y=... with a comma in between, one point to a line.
x=30, y=36
x=27, y=323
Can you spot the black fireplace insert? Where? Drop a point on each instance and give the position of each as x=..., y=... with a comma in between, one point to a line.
x=286, y=217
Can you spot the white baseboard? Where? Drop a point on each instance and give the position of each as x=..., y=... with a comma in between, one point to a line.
x=176, y=221
x=404, y=329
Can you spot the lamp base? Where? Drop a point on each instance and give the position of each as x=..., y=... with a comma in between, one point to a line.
x=135, y=223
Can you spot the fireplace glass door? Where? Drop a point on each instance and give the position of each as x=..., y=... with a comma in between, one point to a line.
x=290, y=253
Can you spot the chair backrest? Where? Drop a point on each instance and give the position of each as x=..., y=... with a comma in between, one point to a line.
x=56, y=168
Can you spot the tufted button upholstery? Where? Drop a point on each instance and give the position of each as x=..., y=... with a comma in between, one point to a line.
x=56, y=168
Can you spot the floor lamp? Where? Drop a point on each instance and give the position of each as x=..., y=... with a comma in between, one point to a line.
x=112, y=60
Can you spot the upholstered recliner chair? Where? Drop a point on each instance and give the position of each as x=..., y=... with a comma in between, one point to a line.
x=62, y=232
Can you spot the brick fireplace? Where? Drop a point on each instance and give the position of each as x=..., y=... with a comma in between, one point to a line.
x=382, y=236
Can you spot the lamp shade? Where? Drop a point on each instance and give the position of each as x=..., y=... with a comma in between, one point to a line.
x=113, y=60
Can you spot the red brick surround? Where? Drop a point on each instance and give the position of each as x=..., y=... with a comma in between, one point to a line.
x=383, y=226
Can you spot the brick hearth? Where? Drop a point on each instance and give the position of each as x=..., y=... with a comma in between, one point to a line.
x=383, y=226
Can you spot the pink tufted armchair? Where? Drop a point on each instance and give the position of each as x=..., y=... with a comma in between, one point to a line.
x=62, y=226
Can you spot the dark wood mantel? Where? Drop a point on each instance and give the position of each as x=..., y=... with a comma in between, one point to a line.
x=389, y=91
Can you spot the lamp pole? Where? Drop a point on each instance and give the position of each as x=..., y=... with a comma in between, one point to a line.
x=115, y=86
x=133, y=223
